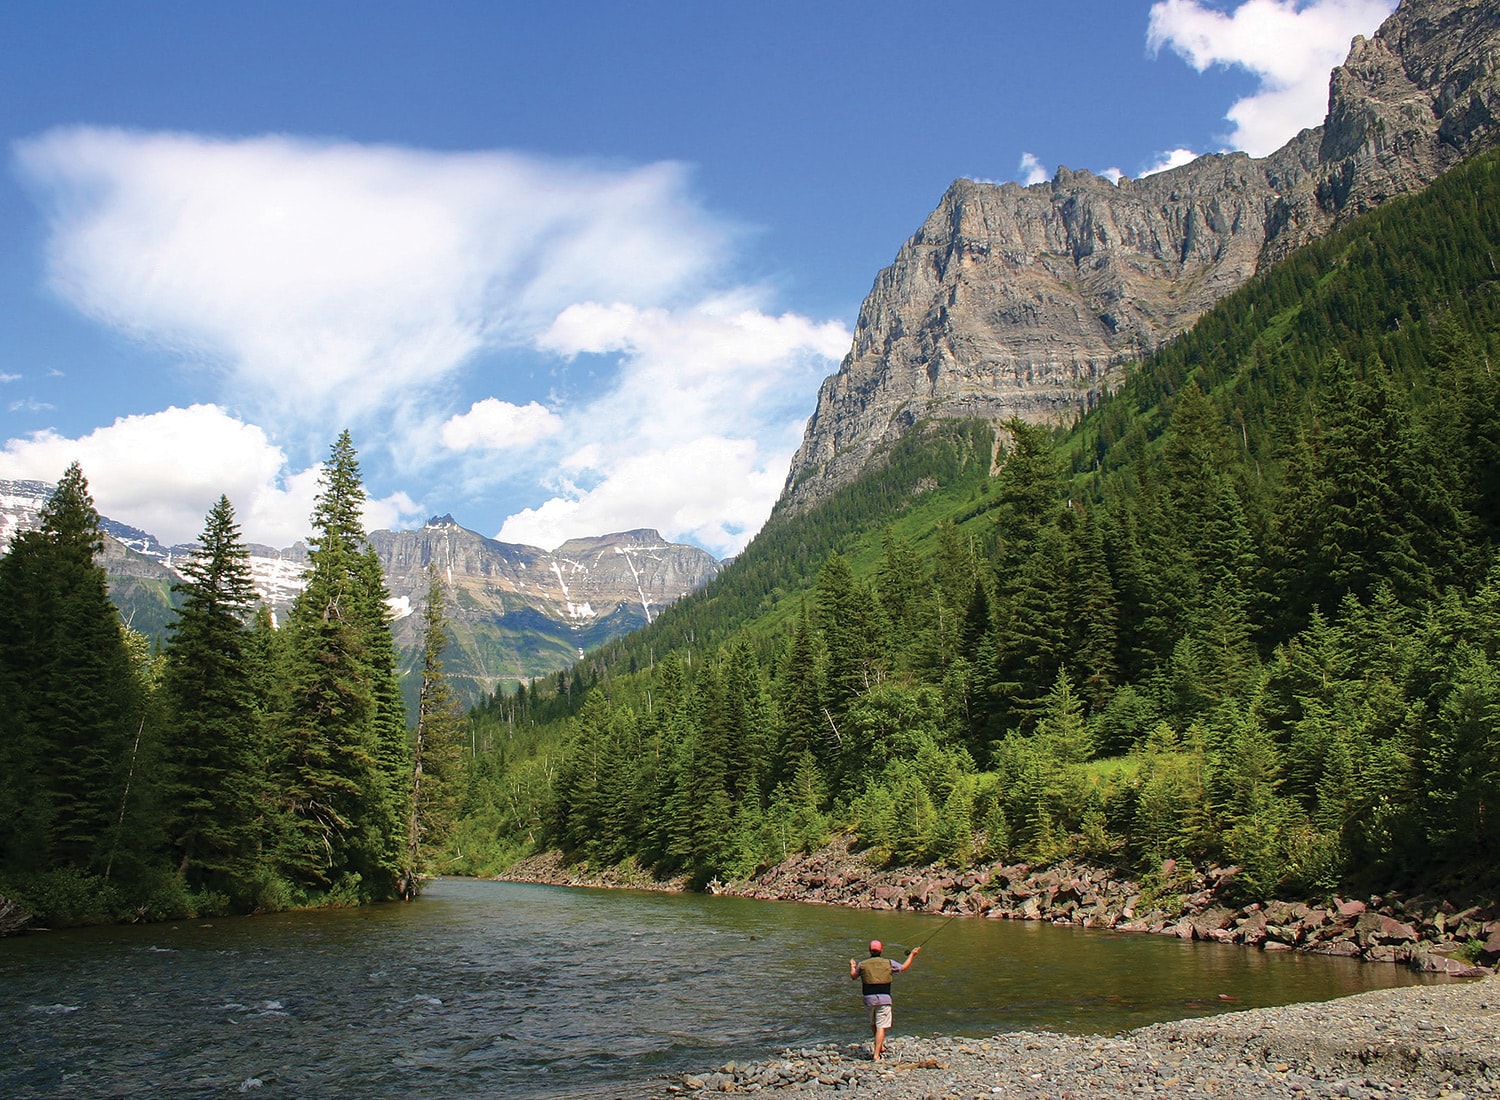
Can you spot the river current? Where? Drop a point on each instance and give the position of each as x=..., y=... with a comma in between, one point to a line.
x=485, y=989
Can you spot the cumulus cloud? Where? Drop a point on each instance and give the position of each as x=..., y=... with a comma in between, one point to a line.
x=714, y=490
x=694, y=437
x=323, y=284
x=325, y=279
x=1032, y=170
x=495, y=425
x=163, y=471
x=1174, y=158
x=1289, y=45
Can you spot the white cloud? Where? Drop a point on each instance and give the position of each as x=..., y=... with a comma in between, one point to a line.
x=1291, y=46
x=713, y=490
x=1174, y=158
x=495, y=425
x=695, y=436
x=327, y=279
x=1114, y=175
x=1032, y=170
x=162, y=472
x=6, y=378
x=330, y=285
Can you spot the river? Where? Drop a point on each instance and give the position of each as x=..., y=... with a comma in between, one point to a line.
x=486, y=989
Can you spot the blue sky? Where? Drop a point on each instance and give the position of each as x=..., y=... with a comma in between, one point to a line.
x=562, y=269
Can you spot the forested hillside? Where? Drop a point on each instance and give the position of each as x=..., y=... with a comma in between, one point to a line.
x=239, y=768
x=1247, y=610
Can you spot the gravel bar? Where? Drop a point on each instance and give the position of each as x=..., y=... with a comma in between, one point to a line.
x=1415, y=1041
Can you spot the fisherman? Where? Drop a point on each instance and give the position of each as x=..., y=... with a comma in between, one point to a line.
x=875, y=975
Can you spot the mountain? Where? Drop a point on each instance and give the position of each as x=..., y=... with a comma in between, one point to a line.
x=1031, y=302
x=515, y=612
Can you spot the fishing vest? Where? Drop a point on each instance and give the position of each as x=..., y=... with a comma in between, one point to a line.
x=875, y=975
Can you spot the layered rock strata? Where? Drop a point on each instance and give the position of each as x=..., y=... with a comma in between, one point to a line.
x=1031, y=301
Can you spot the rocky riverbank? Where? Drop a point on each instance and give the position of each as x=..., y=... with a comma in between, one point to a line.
x=1455, y=936
x=1442, y=935
x=1417, y=1041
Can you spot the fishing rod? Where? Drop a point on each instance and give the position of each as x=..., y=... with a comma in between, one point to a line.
x=934, y=932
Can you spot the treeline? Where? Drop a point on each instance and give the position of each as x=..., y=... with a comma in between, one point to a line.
x=241, y=767
x=1245, y=612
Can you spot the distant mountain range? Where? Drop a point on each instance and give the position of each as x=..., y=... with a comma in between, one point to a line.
x=515, y=612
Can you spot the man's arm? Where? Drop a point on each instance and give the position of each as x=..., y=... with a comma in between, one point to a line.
x=911, y=957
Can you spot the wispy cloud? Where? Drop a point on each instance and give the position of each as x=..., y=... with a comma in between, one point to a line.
x=162, y=472
x=1032, y=170
x=1290, y=46
x=695, y=437
x=318, y=285
x=6, y=378
x=29, y=404
x=1173, y=158
x=325, y=279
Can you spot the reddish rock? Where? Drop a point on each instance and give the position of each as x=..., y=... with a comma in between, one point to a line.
x=1210, y=920
x=1351, y=908
x=1377, y=928
x=1457, y=968
x=1341, y=948
x=1251, y=930
x=1287, y=934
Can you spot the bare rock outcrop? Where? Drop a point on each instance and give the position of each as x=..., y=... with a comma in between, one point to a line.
x=1030, y=301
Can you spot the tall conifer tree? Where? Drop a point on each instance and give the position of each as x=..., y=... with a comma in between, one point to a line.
x=78, y=706
x=213, y=771
x=436, y=747
x=336, y=769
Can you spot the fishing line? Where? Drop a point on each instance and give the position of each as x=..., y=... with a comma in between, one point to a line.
x=935, y=931
x=939, y=928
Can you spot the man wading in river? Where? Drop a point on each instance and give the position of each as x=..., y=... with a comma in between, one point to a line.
x=875, y=975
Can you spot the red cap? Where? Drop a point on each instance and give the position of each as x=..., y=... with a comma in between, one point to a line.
x=875, y=947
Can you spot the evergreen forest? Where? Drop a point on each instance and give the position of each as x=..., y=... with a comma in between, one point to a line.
x=239, y=767
x=1245, y=611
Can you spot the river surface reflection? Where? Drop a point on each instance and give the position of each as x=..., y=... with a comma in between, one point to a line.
x=485, y=989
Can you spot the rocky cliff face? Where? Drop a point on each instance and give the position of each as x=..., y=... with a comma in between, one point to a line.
x=515, y=612
x=1030, y=301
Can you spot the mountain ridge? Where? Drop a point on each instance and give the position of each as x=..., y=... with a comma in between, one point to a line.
x=515, y=612
x=1032, y=302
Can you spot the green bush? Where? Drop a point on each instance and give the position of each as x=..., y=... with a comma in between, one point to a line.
x=65, y=897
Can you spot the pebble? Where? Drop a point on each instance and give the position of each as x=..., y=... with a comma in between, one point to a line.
x=1417, y=1041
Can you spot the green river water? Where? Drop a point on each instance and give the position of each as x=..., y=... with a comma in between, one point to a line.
x=485, y=989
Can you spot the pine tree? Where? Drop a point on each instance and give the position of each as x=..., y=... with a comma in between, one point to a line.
x=78, y=706
x=1025, y=491
x=436, y=749
x=851, y=634
x=212, y=761
x=345, y=830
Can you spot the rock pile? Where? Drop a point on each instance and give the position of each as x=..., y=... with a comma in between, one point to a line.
x=1428, y=934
